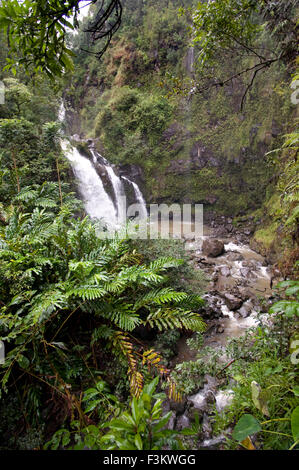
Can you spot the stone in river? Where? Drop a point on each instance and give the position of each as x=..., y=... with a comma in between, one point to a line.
x=225, y=271
x=212, y=247
x=232, y=302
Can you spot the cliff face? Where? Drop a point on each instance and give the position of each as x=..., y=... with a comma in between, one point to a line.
x=199, y=148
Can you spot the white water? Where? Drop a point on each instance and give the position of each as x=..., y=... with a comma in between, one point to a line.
x=96, y=201
x=119, y=192
x=98, y=204
x=139, y=198
x=118, y=189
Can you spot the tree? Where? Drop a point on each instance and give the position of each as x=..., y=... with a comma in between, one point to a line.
x=16, y=135
x=228, y=28
x=37, y=31
x=16, y=95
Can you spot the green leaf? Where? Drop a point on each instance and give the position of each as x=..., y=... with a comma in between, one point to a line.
x=259, y=398
x=295, y=423
x=163, y=421
x=23, y=362
x=246, y=426
x=138, y=442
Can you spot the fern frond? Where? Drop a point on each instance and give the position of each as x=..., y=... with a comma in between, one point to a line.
x=125, y=320
x=87, y=292
x=162, y=264
x=45, y=304
x=160, y=296
x=172, y=391
x=136, y=383
x=178, y=318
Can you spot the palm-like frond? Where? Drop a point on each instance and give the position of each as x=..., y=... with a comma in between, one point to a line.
x=165, y=319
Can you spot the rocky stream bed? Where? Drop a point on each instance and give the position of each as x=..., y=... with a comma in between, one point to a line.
x=237, y=298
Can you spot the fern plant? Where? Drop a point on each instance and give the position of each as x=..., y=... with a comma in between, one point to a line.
x=55, y=270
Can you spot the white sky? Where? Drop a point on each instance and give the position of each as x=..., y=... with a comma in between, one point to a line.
x=84, y=9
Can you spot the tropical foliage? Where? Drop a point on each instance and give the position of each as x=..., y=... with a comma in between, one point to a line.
x=55, y=268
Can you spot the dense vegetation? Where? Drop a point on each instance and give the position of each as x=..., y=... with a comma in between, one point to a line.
x=201, y=103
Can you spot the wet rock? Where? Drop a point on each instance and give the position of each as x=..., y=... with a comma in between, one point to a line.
x=171, y=422
x=225, y=283
x=212, y=308
x=225, y=271
x=211, y=383
x=233, y=256
x=206, y=427
x=248, y=273
x=210, y=396
x=232, y=302
x=244, y=293
x=246, y=309
x=182, y=423
x=220, y=330
x=212, y=247
x=165, y=407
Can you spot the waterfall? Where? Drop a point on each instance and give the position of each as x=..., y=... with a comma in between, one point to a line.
x=96, y=201
x=139, y=198
x=98, y=204
x=190, y=60
x=118, y=189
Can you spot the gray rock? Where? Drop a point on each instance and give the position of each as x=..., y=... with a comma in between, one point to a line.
x=171, y=422
x=246, y=309
x=214, y=443
x=206, y=427
x=225, y=271
x=210, y=397
x=233, y=256
x=182, y=423
x=212, y=247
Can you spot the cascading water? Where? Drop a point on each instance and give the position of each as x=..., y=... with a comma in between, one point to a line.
x=139, y=198
x=118, y=188
x=97, y=202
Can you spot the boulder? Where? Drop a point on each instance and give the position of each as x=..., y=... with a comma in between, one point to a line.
x=212, y=247
x=246, y=309
x=232, y=302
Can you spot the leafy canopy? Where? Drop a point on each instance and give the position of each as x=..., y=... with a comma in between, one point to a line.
x=37, y=31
